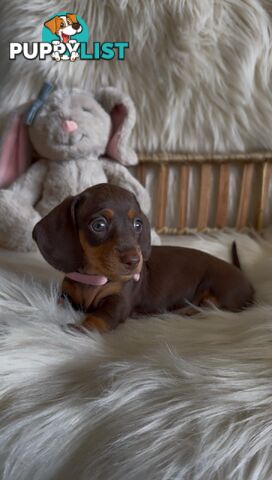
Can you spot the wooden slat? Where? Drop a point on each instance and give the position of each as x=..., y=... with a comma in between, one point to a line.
x=245, y=193
x=141, y=173
x=221, y=202
x=183, y=196
x=266, y=178
x=223, y=196
x=204, y=197
x=162, y=196
x=238, y=157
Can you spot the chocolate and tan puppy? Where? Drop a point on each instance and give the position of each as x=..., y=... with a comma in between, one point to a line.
x=101, y=240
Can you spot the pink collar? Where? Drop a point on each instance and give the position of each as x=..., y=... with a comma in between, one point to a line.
x=95, y=280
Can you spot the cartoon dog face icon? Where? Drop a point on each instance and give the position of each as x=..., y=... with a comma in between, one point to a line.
x=65, y=26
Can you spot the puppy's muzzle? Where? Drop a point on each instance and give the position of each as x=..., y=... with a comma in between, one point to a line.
x=130, y=259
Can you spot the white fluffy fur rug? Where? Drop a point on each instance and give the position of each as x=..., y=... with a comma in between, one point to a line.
x=199, y=71
x=163, y=398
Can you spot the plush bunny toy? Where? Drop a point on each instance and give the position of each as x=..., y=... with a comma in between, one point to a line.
x=78, y=139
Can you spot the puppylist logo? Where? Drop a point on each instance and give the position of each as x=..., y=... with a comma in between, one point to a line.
x=65, y=37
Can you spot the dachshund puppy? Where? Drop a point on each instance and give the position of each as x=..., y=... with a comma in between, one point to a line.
x=101, y=240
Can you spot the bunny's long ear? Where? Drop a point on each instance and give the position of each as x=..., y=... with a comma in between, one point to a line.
x=123, y=116
x=15, y=149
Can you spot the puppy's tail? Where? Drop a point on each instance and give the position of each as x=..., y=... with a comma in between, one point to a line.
x=234, y=254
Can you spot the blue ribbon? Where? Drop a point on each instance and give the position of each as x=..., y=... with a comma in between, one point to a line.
x=38, y=103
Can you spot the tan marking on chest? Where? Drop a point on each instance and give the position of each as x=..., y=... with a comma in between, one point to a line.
x=111, y=288
x=86, y=296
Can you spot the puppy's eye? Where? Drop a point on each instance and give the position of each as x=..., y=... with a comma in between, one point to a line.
x=62, y=25
x=137, y=225
x=99, y=225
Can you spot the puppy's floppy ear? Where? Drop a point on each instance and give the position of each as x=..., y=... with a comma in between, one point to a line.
x=52, y=24
x=72, y=17
x=57, y=238
x=145, y=238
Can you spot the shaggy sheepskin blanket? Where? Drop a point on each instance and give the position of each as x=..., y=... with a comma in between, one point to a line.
x=199, y=71
x=160, y=398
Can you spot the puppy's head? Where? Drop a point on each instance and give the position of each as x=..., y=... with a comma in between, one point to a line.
x=65, y=26
x=101, y=231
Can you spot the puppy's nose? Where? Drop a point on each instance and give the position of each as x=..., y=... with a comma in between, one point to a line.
x=130, y=259
x=69, y=126
x=76, y=25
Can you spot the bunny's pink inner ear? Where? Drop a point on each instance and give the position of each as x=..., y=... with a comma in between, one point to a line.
x=15, y=152
x=118, y=116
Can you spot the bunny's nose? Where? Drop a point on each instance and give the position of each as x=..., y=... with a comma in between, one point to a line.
x=69, y=125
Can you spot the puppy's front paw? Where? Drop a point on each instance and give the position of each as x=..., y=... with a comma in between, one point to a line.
x=92, y=322
x=56, y=56
x=74, y=56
